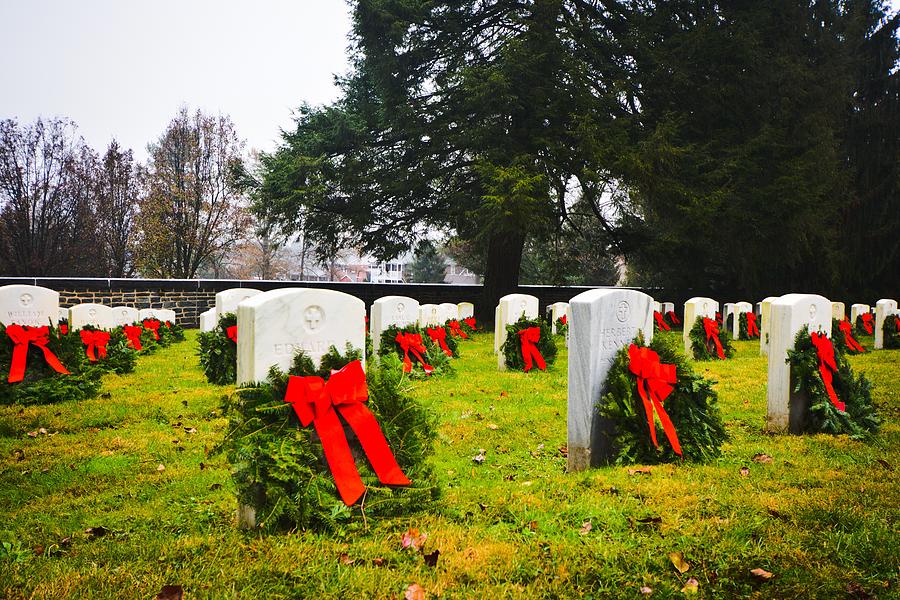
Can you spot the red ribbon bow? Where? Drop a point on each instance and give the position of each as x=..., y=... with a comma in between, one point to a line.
x=867, y=320
x=660, y=322
x=711, y=328
x=470, y=321
x=318, y=402
x=827, y=366
x=897, y=323
x=655, y=381
x=133, y=333
x=673, y=317
x=438, y=335
x=96, y=342
x=21, y=338
x=456, y=329
x=64, y=328
x=528, y=338
x=846, y=328
x=152, y=325
x=752, y=328
x=412, y=342
x=231, y=332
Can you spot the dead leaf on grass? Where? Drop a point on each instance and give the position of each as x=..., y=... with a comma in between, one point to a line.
x=413, y=539
x=504, y=394
x=32, y=434
x=585, y=528
x=493, y=426
x=479, y=458
x=414, y=592
x=19, y=455
x=885, y=464
x=762, y=458
x=639, y=471
x=161, y=467
x=432, y=559
x=378, y=561
x=761, y=574
x=649, y=520
x=170, y=592
x=745, y=471
x=345, y=559
x=532, y=525
x=857, y=591
x=190, y=430
x=96, y=532
x=691, y=586
x=678, y=561
x=646, y=591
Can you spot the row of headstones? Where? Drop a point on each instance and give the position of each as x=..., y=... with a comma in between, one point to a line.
x=36, y=306
x=403, y=311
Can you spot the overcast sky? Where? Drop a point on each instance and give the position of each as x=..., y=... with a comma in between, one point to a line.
x=121, y=69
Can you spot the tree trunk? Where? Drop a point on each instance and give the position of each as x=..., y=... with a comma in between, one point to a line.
x=501, y=274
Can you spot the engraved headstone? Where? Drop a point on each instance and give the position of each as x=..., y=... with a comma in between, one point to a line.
x=429, y=315
x=693, y=308
x=668, y=307
x=557, y=310
x=28, y=305
x=466, y=310
x=856, y=310
x=838, y=311
x=96, y=315
x=208, y=320
x=161, y=314
x=400, y=311
x=126, y=315
x=63, y=315
x=738, y=310
x=789, y=314
x=446, y=312
x=227, y=300
x=764, y=323
x=509, y=310
x=602, y=322
x=883, y=309
x=274, y=326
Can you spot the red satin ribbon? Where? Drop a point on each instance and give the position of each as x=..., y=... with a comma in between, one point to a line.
x=528, y=338
x=846, y=328
x=412, y=342
x=168, y=325
x=565, y=320
x=655, y=381
x=719, y=318
x=318, y=402
x=827, y=366
x=673, y=317
x=752, y=329
x=152, y=325
x=456, y=329
x=232, y=333
x=438, y=335
x=867, y=320
x=897, y=323
x=63, y=329
x=21, y=338
x=659, y=321
x=96, y=342
x=470, y=321
x=133, y=333
x=711, y=328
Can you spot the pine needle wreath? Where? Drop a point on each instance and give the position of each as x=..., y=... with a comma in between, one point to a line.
x=822, y=416
x=692, y=406
x=434, y=356
x=218, y=354
x=120, y=358
x=743, y=327
x=704, y=349
x=43, y=385
x=859, y=328
x=512, y=347
x=468, y=328
x=837, y=338
x=891, y=331
x=171, y=333
x=279, y=468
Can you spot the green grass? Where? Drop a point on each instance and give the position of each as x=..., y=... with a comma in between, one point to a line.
x=821, y=516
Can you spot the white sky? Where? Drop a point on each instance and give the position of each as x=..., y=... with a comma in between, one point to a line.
x=121, y=68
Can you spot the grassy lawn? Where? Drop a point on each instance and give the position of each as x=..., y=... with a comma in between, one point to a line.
x=822, y=515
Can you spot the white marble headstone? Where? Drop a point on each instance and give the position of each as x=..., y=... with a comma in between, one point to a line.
x=557, y=310
x=837, y=311
x=764, y=319
x=509, y=310
x=126, y=315
x=789, y=314
x=602, y=322
x=227, y=300
x=160, y=314
x=739, y=309
x=856, y=310
x=388, y=311
x=466, y=310
x=694, y=308
x=429, y=315
x=657, y=306
x=883, y=309
x=63, y=315
x=96, y=315
x=208, y=320
x=446, y=312
x=274, y=326
x=30, y=305
x=668, y=307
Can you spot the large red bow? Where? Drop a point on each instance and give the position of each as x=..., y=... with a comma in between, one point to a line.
x=846, y=328
x=152, y=325
x=133, y=333
x=318, y=402
x=231, y=332
x=711, y=328
x=827, y=366
x=21, y=338
x=655, y=381
x=64, y=328
x=659, y=321
x=867, y=321
x=456, y=329
x=96, y=342
x=673, y=317
x=438, y=335
x=470, y=321
x=752, y=328
x=412, y=342
x=528, y=338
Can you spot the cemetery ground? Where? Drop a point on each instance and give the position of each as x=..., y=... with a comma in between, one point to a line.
x=117, y=496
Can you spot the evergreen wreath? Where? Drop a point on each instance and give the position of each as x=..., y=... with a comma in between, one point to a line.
x=218, y=354
x=859, y=329
x=451, y=340
x=43, y=385
x=512, y=347
x=692, y=406
x=891, y=331
x=743, y=326
x=279, y=468
x=170, y=334
x=469, y=329
x=855, y=391
x=704, y=349
x=120, y=358
x=837, y=338
x=434, y=356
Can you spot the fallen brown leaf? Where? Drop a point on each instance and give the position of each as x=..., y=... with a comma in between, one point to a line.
x=161, y=467
x=345, y=559
x=646, y=591
x=414, y=592
x=762, y=458
x=639, y=471
x=648, y=520
x=678, y=561
x=170, y=592
x=532, y=525
x=492, y=426
x=38, y=550
x=564, y=451
x=413, y=539
x=96, y=532
x=378, y=561
x=761, y=574
x=857, y=591
x=691, y=586
x=745, y=471
x=504, y=394
x=585, y=528
x=432, y=559
x=885, y=464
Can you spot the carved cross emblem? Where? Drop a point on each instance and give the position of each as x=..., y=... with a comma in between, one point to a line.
x=92, y=312
x=622, y=311
x=313, y=317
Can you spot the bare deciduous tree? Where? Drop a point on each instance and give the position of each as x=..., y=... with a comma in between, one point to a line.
x=117, y=195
